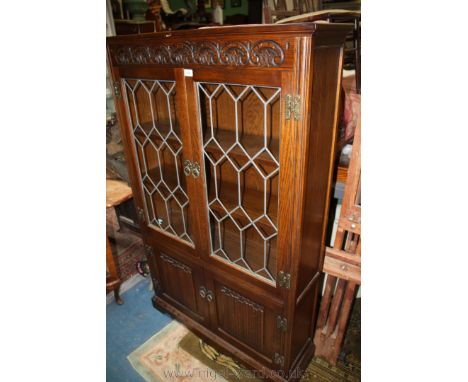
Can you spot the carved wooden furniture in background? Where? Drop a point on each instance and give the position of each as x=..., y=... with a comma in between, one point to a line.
x=274, y=10
x=154, y=13
x=117, y=192
x=352, y=58
x=229, y=135
x=342, y=264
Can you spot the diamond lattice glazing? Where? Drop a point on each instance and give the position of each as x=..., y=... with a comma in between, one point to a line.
x=241, y=147
x=156, y=136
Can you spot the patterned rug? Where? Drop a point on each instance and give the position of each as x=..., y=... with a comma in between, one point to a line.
x=176, y=354
x=127, y=246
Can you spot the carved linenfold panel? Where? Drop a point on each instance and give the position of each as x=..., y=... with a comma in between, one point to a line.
x=175, y=263
x=242, y=319
x=241, y=299
x=266, y=53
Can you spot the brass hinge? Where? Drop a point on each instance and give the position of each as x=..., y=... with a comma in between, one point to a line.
x=282, y=323
x=284, y=280
x=117, y=89
x=293, y=107
x=278, y=359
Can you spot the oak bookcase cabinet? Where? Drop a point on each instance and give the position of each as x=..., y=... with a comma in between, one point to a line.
x=229, y=135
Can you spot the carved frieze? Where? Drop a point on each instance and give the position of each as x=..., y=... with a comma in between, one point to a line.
x=175, y=263
x=241, y=299
x=261, y=53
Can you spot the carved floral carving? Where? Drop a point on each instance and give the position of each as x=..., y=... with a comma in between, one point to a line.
x=267, y=53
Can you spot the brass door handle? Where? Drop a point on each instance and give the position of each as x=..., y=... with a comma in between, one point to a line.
x=187, y=167
x=191, y=168
x=202, y=292
x=195, y=170
x=205, y=293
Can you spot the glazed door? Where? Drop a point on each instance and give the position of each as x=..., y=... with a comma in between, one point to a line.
x=160, y=144
x=240, y=129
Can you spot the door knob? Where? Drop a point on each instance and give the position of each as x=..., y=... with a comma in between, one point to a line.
x=210, y=296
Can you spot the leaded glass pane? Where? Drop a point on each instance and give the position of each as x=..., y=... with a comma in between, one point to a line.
x=241, y=136
x=151, y=107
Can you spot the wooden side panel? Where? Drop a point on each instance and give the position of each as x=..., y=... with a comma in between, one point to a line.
x=326, y=83
x=303, y=322
x=323, y=113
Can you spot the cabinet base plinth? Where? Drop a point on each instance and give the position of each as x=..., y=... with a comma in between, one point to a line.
x=222, y=345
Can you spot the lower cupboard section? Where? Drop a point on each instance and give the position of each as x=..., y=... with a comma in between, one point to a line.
x=245, y=320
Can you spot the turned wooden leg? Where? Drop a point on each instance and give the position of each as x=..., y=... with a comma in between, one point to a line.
x=117, y=297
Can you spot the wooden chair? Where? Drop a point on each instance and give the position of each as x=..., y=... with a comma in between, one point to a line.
x=342, y=264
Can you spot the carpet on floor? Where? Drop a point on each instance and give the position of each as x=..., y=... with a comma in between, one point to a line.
x=175, y=353
x=127, y=327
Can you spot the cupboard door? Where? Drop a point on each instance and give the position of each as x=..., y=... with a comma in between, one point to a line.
x=159, y=148
x=241, y=132
x=245, y=318
x=181, y=284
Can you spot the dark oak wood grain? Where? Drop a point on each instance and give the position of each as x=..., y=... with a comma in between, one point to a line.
x=257, y=182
